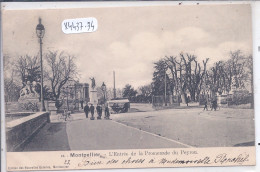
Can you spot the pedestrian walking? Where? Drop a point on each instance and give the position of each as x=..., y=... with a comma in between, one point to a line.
x=92, y=110
x=187, y=100
x=81, y=103
x=206, y=105
x=99, y=111
x=125, y=108
x=214, y=104
x=86, y=110
x=107, y=113
x=211, y=104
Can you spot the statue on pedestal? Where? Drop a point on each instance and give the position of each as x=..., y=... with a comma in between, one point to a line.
x=93, y=92
x=29, y=97
x=93, y=82
x=29, y=90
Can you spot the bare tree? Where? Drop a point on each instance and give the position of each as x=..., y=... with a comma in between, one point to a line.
x=172, y=63
x=238, y=66
x=28, y=68
x=61, y=68
x=145, y=93
x=233, y=73
x=187, y=74
x=11, y=89
x=194, y=74
x=17, y=73
x=216, y=78
x=145, y=90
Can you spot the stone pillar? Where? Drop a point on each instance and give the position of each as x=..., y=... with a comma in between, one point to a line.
x=93, y=97
x=51, y=107
x=85, y=92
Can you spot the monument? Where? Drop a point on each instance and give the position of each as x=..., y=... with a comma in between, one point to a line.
x=93, y=92
x=29, y=98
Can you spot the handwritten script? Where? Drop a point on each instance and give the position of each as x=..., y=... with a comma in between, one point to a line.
x=220, y=159
x=79, y=25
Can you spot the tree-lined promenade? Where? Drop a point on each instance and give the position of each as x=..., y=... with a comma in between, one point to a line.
x=183, y=77
x=186, y=78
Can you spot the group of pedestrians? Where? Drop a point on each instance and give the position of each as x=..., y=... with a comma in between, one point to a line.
x=99, y=110
x=213, y=104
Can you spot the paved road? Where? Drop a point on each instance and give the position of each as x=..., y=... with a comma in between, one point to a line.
x=154, y=129
x=107, y=134
x=195, y=127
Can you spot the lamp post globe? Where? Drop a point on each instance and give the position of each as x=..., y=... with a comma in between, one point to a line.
x=40, y=31
x=103, y=86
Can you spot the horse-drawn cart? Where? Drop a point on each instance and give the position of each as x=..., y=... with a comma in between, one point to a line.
x=121, y=105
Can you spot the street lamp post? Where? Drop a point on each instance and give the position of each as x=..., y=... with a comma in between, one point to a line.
x=40, y=33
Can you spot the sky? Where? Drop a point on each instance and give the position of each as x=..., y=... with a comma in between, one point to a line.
x=130, y=39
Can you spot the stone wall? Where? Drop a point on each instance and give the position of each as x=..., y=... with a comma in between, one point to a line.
x=20, y=131
x=11, y=107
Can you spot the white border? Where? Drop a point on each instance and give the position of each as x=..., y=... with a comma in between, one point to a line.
x=62, y=5
x=256, y=55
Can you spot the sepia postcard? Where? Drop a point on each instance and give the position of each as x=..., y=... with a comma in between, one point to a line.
x=128, y=87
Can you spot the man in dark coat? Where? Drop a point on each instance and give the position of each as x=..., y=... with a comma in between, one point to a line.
x=206, y=105
x=126, y=107
x=92, y=110
x=215, y=104
x=99, y=111
x=81, y=103
x=86, y=110
x=107, y=113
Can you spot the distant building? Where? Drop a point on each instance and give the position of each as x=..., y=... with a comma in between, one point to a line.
x=72, y=93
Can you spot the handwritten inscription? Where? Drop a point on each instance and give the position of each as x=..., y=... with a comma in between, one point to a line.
x=79, y=25
x=89, y=162
x=205, y=160
x=130, y=160
x=219, y=159
x=224, y=158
